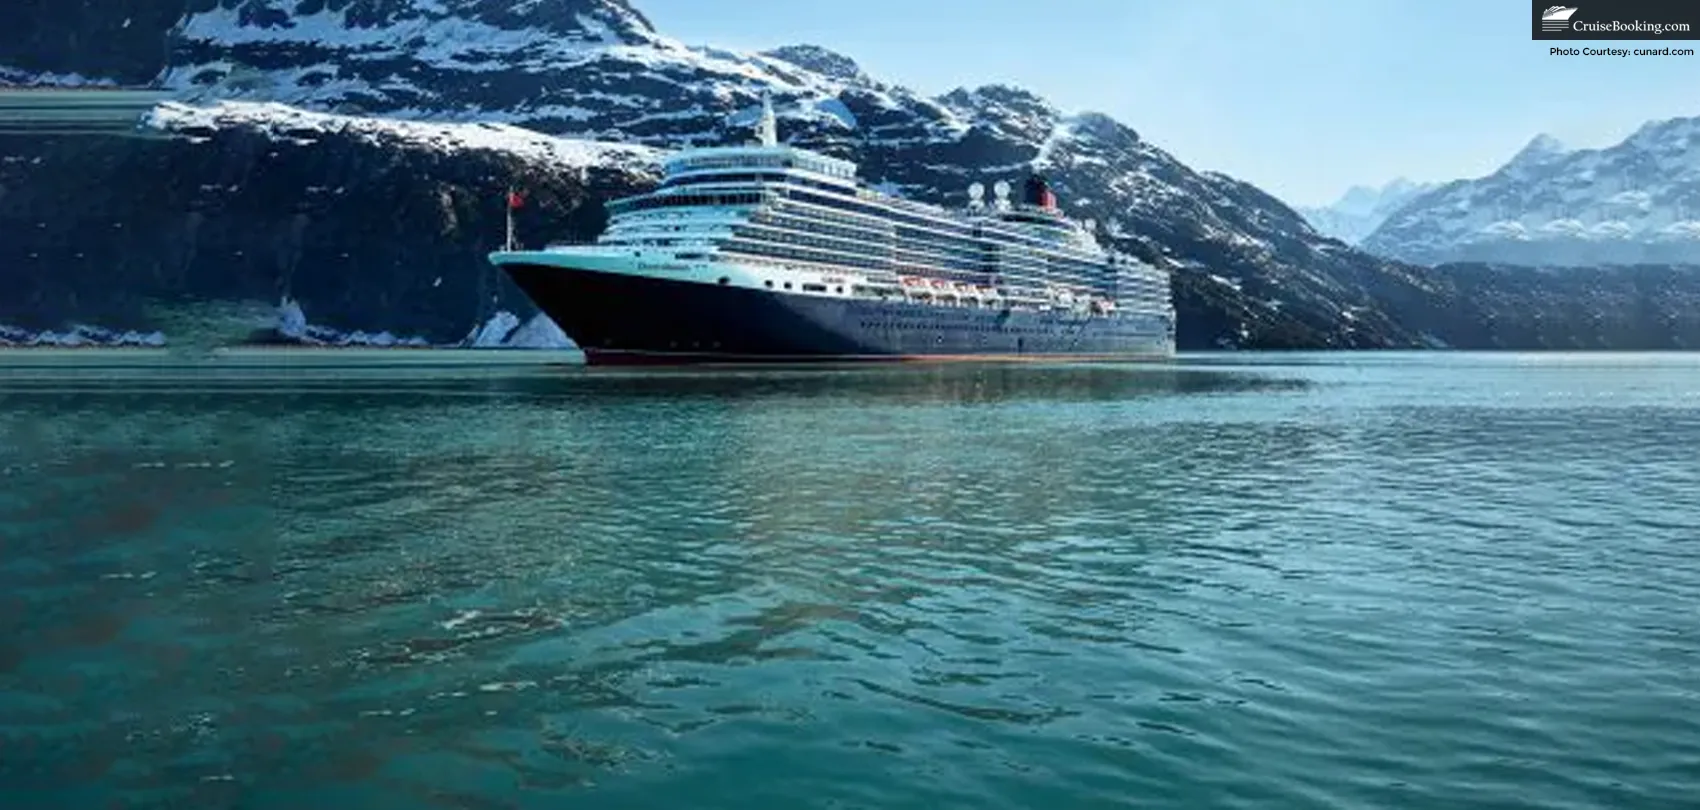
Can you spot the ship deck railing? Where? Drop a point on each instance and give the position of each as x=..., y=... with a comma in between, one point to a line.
x=571, y=243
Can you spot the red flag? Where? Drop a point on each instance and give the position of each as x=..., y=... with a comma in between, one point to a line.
x=516, y=201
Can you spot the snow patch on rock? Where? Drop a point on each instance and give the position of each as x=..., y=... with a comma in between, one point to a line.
x=283, y=121
x=539, y=333
x=79, y=336
x=504, y=330
x=292, y=326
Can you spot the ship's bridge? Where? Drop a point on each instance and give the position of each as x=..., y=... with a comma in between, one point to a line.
x=716, y=159
x=766, y=153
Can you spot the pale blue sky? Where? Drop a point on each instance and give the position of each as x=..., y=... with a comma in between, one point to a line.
x=1302, y=97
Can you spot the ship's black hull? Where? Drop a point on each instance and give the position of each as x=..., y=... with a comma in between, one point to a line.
x=625, y=319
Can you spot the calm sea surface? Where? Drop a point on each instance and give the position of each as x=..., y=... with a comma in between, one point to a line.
x=1254, y=581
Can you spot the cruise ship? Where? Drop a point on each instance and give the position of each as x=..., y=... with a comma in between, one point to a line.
x=770, y=253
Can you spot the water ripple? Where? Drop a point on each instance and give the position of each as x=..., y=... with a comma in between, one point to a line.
x=1335, y=582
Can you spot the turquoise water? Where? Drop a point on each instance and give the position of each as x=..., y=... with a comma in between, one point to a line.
x=1242, y=581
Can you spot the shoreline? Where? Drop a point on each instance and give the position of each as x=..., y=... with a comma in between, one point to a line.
x=280, y=356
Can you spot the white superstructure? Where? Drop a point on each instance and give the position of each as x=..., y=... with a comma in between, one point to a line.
x=773, y=217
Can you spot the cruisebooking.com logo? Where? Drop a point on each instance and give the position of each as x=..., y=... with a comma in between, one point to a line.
x=1556, y=18
x=1621, y=19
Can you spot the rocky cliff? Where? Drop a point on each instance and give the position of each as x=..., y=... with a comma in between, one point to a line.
x=363, y=225
x=1484, y=306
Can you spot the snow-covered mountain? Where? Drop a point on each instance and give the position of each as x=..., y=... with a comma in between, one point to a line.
x=346, y=163
x=1634, y=202
x=1362, y=209
x=1252, y=271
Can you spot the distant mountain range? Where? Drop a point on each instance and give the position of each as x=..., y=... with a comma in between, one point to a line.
x=1362, y=209
x=347, y=157
x=1635, y=202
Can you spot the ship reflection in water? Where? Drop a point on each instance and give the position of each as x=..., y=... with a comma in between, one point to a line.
x=943, y=383
x=366, y=378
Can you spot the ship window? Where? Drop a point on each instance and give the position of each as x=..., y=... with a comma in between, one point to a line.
x=724, y=281
x=814, y=288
